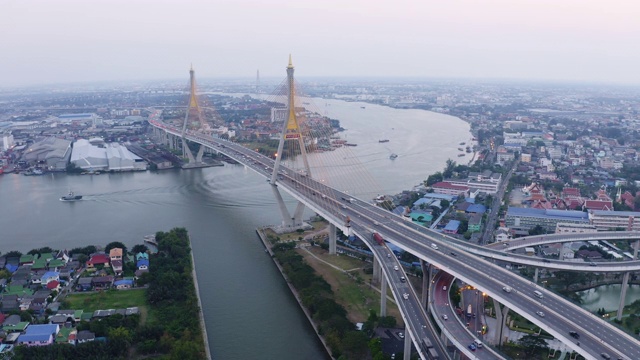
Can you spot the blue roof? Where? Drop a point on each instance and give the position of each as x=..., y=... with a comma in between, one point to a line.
x=549, y=213
x=399, y=210
x=477, y=208
x=123, y=282
x=38, y=332
x=143, y=262
x=450, y=198
x=452, y=225
x=422, y=201
x=50, y=274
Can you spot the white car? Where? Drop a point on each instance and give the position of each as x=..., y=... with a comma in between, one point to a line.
x=395, y=268
x=405, y=296
x=445, y=317
x=540, y=313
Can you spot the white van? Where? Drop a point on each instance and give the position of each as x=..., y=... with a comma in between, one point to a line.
x=434, y=246
x=538, y=294
x=478, y=343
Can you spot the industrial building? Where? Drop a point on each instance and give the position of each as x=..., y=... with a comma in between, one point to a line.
x=53, y=152
x=108, y=157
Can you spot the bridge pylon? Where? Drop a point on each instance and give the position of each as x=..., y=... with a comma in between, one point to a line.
x=193, y=113
x=290, y=132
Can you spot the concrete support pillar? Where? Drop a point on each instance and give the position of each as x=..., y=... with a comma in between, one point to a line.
x=407, y=343
x=535, y=275
x=383, y=295
x=332, y=239
x=635, y=250
x=200, y=154
x=287, y=220
x=623, y=294
x=297, y=215
x=376, y=270
x=426, y=282
x=501, y=320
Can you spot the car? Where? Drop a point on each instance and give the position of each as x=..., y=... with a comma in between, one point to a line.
x=401, y=335
x=546, y=261
x=395, y=268
x=507, y=289
x=402, y=278
x=540, y=313
x=445, y=317
x=472, y=347
x=593, y=264
x=453, y=254
x=405, y=296
x=574, y=334
x=389, y=256
x=376, y=223
x=605, y=356
x=444, y=288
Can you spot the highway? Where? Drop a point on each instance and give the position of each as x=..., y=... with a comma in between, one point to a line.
x=451, y=255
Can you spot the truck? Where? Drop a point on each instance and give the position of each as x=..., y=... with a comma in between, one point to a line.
x=469, y=311
x=378, y=238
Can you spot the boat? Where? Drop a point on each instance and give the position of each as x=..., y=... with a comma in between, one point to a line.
x=362, y=107
x=350, y=144
x=468, y=149
x=393, y=156
x=461, y=155
x=71, y=197
x=33, y=172
x=462, y=143
x=383, y=140
x=460, y=149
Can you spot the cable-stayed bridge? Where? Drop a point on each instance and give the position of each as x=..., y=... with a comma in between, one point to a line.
x=473, y=264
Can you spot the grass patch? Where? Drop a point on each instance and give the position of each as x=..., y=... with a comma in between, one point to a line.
x=356, y=296
x=111, y=299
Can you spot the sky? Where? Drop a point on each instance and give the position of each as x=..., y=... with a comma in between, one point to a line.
x=75, y=41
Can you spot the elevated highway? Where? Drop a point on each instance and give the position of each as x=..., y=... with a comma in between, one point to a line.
x=535, y=240
x=451, y=255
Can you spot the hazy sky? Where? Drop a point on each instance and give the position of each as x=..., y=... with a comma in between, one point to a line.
x=53, y=41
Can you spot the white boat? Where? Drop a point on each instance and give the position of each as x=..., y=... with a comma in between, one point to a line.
x=393, y=156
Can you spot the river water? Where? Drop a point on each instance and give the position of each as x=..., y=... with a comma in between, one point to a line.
x=249, y=311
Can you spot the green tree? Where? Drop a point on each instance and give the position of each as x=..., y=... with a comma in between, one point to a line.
x=139, y=248
x=537, y=230
x=532, y=345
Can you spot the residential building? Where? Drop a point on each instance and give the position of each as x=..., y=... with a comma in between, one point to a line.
x=39, y=335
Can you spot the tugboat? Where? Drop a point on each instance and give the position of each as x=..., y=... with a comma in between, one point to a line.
x=383, y=140
x=71, y=197
x=393, y=156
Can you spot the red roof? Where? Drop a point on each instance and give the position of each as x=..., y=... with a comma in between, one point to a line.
x=447, y=185
x=599, y=205
x=98, y=259
x=53, y=284
x=571, y=191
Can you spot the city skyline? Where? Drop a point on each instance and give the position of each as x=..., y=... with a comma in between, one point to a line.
x=75, y=42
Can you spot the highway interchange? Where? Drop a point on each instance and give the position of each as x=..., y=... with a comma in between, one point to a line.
x=453, y=256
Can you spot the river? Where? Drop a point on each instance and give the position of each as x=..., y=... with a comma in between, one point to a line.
x=248, y=309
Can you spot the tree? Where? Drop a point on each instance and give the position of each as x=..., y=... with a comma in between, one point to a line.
x=445, y=203
x=537, y=230
x=448, y=169
x=115, y=244
x=13, y=254
x=139, y=248
x=434, y=178
x=532, y=345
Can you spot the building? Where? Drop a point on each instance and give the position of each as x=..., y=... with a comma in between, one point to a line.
x=605, y=220
x=448, y=188
x=7, y=141
x=452, y=227
x=39, y=335
x=528, y=218
x=475, y=223
x=108, y=157
x=563, y=228
x=55, y=153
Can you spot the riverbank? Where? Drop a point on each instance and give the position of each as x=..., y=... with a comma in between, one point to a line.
x=262, y=237
x=205, y=337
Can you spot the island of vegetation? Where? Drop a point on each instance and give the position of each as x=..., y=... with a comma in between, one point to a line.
x=111, y=304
